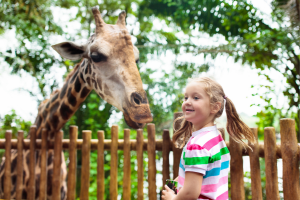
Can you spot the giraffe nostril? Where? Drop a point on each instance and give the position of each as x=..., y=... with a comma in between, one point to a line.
x=137, y=101
x=136, y=98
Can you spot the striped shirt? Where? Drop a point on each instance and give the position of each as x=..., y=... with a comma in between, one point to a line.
x=206, y=153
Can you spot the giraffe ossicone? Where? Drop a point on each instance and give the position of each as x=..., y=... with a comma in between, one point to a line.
x=108, y=66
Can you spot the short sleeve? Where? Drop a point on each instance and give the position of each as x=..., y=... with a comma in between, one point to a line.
x=196, y=159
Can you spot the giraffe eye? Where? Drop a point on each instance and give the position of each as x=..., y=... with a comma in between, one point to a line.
x=98, y=57
x=137, y=61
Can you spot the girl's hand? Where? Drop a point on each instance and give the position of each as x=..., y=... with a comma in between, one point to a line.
x=168, y=194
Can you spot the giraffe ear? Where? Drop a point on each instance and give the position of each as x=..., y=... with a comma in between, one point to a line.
x=70, y=50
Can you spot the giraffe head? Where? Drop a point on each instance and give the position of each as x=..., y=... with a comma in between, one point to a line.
x=109, y=58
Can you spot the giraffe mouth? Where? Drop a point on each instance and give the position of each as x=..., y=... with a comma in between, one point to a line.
x=131, y=123
x=137, y=117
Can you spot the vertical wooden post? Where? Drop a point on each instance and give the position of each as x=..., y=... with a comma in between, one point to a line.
x=255, y=168
x=151, y=162
x=127, y=170
x=165, y=153
x=7, y=170
x=236, y=171
x=31, y=185
x=85, y=169
x=271, y=164
x=43, y=177
x=56, y=178
x=113, y=190
x=100, y=166
x=73, y=132
x=176, y=151
x=139, y=152
x=19, y=188
x=290, y=160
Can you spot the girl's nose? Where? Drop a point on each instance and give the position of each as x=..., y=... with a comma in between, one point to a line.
x=188, y=102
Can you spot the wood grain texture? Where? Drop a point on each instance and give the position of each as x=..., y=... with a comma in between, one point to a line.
x=56, y=178
x=255, y=168
x=236, y=171
x=272, y=191
x=139, y=149
x=85, y=169
x=151, y=162
x=71, y=193
x=100, y=166
x=126, y=169
x=31, y=185
x=290, y=160
x=20, y=177
x=7, y=169
x=43, y=177
x=113, y=190
x=166, y=153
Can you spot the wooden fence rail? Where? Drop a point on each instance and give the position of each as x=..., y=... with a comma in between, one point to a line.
x=288, y=150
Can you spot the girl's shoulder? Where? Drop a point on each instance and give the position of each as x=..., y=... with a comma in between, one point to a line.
x=206, y=138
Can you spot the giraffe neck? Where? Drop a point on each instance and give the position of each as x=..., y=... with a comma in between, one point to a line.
x=54, y=113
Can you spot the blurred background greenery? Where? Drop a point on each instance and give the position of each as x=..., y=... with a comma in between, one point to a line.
x=161, y=29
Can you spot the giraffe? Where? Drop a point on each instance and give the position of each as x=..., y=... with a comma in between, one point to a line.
x=108, y=66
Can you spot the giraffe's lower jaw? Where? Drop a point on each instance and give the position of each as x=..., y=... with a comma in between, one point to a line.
x=131, y=123
x=137, y=121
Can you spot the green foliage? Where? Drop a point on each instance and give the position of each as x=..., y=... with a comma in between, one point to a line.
x=249, y=39
x=14, y=123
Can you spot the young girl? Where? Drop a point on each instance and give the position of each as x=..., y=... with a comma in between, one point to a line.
x=204, y=163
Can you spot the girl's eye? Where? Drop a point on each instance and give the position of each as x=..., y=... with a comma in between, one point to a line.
x=196, y=98
x=185, y=98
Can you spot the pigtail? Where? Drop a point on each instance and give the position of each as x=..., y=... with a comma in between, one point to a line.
x=236, y=128
x=181, y=136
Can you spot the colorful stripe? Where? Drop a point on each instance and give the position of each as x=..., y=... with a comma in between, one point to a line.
x=207, y=152
x=214, y=187
x=223, y=196
x=213, y=142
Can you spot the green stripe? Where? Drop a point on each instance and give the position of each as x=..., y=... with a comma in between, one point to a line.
x=205, y=159
x=224, y=151
x=196, y=160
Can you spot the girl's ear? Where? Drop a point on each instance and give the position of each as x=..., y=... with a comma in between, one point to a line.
x=215, y=108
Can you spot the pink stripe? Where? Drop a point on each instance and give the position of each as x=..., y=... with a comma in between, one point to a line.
x=214, y=187
x=223, y=196
x=211, y=143
x=194, y=147
x=180, y=180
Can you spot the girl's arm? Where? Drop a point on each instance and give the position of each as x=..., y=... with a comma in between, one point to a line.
x=190, y=190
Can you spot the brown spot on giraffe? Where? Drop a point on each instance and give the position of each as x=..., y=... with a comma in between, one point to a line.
x=71, y=98
x=77, y=85
x=101, y=60
x=85, y=91
x=65, y=111
x=88, y=79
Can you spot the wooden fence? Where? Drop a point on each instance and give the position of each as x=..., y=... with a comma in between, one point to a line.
x=288, y=150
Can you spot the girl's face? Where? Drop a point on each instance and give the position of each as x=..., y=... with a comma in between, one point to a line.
x=196, y=106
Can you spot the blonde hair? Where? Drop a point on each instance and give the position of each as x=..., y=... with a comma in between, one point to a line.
x=236, y=128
